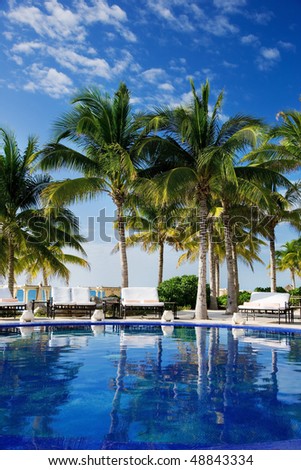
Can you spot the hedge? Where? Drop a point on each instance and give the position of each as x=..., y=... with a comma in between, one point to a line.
x=181, y=289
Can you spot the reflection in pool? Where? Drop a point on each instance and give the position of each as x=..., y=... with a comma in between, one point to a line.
x=149, y=387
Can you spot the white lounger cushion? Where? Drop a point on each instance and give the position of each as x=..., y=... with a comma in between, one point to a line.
x=266, y=301
x=61, y=295
x=7, y=302
x=144, y=296
x=130, y=303
x=81, y=296
x=71, y=296
x=7, y=299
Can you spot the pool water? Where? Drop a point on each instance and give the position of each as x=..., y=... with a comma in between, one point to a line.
x=149, y=387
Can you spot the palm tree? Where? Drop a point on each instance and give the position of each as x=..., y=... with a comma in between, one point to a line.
x=20, y=192
x=289, y=257
x=245, y=246
x=104, y=132
x=285, y=210
x=289, y=132
x=199, y=151
x=152, y=226
x=284, y=156
x=50, y=231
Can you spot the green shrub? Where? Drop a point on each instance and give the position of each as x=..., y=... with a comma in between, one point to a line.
x=222, y=301
x=181, y=289
x=243, y=296
x=296, y=291
x=268, y=289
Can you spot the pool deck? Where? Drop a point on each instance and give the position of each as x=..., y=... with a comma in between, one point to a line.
x=184, y=317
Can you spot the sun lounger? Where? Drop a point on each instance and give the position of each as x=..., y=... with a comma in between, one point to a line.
x=269, y=303
x=143, y=299
x=10, y=306
x=71, y=301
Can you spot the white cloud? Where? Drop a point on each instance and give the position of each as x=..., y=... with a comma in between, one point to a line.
x=186, y=98
x=153, y=75
x=268, y=58
x=262, y=18
x=17, y=59
x=188, y=17
x=219, y=26
x=95, y=66
x=27, y=47
x=229, y=65
x=209, y=74
x=101, y=12
x=49, y=81
x=128, y=35
x=177, y=20
x=59, y=22
x=8, y=35
x=162, y=9
x=270, y=53
x=76, y=62
x=230, y=5
x=166, y=87
x=250, y=39
x=287, y=45
x=80, y=64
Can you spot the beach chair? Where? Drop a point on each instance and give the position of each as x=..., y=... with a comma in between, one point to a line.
x=269, y=303
x=140, y=299
x=9, y=306
x=71, y=301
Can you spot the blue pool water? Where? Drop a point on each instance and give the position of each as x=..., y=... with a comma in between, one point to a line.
x=148, y=387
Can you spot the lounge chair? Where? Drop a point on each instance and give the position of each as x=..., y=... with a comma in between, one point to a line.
x=71, y=301
x=269, y=303
x=143, y=299
x=9, y=306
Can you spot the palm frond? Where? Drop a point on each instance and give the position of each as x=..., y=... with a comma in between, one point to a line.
x=77, y=189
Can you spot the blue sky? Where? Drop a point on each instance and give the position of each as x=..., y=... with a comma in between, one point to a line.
x=52, y=48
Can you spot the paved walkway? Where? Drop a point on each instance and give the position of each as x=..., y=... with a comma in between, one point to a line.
x=221, y=318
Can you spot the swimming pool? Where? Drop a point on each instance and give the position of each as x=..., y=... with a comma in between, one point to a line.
x=121, y=386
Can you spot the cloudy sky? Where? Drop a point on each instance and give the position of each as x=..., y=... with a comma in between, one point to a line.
x=52, y=48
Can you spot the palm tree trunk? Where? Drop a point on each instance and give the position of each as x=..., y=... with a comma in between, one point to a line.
x=202, y=384
x=122, y=247
x=293, y=278
x=161, y=261
x=232, y=297
x=201, y=301
x=11, y=265
x=235, y=267
x=45, y=277
x=217, y=280
x=212, y=277
x=273, y=260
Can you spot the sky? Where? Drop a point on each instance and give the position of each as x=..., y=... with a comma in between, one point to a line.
x=51, y=49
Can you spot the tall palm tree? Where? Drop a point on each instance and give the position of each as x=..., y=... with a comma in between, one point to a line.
x=50, y=231
x=20, y=192
x=104, y=132
x=289, y=257
x=280, y=150
x=200, y=150
x=152, y=226
x=289, y=132
x=285, y=210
